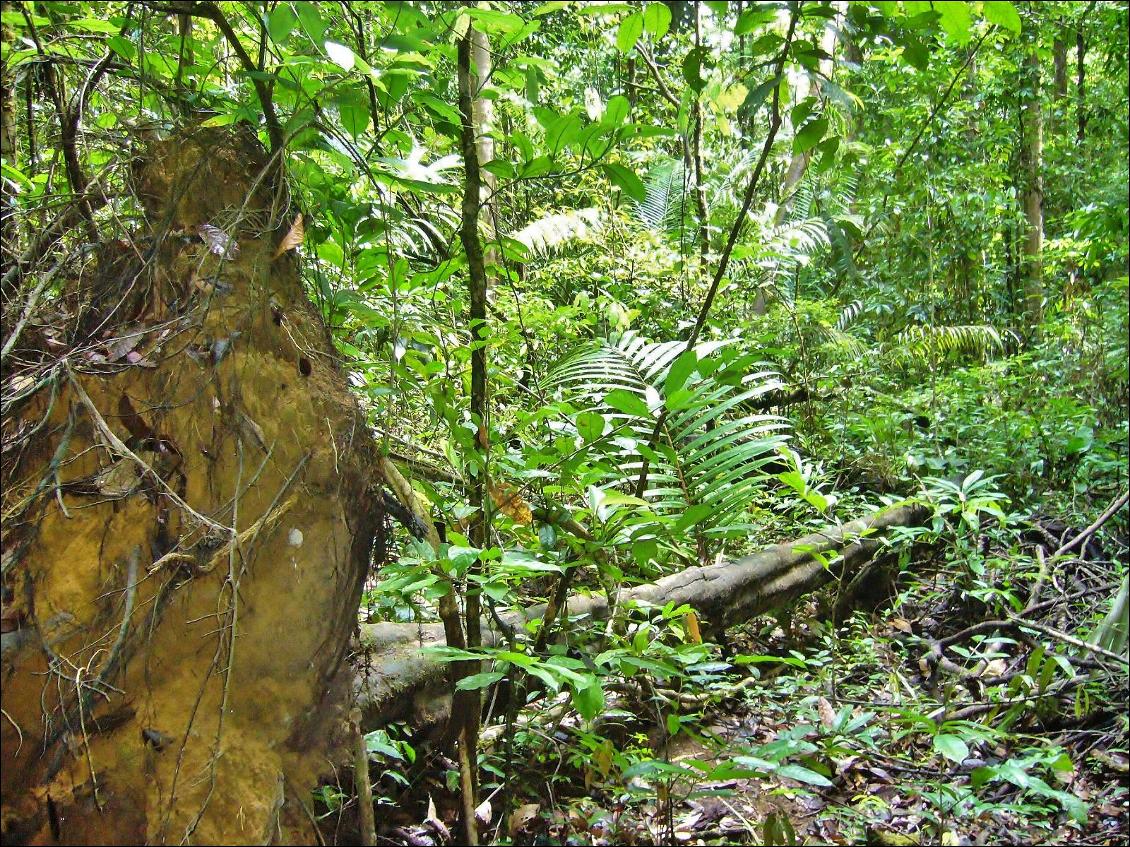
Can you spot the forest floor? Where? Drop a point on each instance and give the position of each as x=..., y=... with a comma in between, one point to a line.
x=829, y=737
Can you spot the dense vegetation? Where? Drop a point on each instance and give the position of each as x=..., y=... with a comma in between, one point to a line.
x=625, y=288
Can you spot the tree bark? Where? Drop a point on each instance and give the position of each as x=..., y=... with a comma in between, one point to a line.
x=402, y=681
x=1031, y=156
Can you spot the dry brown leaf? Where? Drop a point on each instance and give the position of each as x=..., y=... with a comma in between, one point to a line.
x=510, y=503
x=694, y=634
x=521, y=816
x=827, y=713
x=293, y=237
x=218, y=241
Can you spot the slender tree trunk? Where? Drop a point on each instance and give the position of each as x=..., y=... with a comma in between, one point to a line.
x=1080, y=84
x=8, y=248
x=484, y=142
x=1031, y=155
x=803, y=86
x=1059, y=56
x=469, y=702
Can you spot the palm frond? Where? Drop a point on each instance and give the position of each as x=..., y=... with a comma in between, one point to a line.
x=664, y=206
x=705, y=466
x=925, y=342
x=550, y=233
x=848, y=315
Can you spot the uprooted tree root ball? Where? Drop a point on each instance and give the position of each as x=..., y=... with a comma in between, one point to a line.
x=187, y=525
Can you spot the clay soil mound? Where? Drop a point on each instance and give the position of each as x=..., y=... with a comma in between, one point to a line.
x=186, y=524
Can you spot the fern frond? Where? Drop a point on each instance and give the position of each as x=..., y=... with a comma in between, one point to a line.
x=848, y=315
x=664, y=206
x=920, y=342
x=705, y=466
x=552, y=232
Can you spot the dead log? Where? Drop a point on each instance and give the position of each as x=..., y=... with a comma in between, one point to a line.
x=402, y=681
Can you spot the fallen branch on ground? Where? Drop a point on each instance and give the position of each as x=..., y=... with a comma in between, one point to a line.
x=402, y=680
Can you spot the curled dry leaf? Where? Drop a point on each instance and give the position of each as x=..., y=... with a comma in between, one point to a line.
x=293, y=237
x=827, y=713
x=508, y=501
x=484, y=813
x=218, y=241
x=521, y=817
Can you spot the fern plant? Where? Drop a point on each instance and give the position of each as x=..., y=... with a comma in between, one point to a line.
x=675, y=416
x=932, y=343
x=665, y=206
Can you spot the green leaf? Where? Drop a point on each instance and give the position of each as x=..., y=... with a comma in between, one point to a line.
x=657, y=19
x=693, y=515
x=809, y=135
x=311, y=20
x=955, y=20
x=94, y=25
x=281, y=22
x=627, y=181
x=692, y=68
x=752, y=18
x=615, y=111
x=631, y=28
x=757, y=96
x=479, y=680
x=1002, y=13
x=680, y=370
x=627, y=402
x=952, y=747
x=803, y=774
x=219, y=120
x=588, y=700
x=590, y=426
x=341, y=55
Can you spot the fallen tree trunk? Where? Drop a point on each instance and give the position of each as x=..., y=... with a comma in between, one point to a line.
x=401, y=680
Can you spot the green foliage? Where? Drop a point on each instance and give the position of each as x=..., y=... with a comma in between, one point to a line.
x=663, y=416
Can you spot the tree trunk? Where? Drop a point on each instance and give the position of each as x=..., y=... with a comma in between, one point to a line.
x=1059, y=57
x=1031, y=155
x=402, y=681
x=185, y=544
x=803, y=85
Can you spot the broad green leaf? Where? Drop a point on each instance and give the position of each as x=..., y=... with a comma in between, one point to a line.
x=479, y=680
x=311, y=20
x=757, y=96
x=752, y=18
x=1002, y=13
x=588, y=700
x=219, y=120
x=810, y=135
x=616, y=110
x=590, y=426
x=803, y=774
x=94, y=25
x=628, y=402
x=341, y=55
x=657, y=19
x=952, y=747
x=627, y=181
x=281, y=22
x=955, y=20
x=680, y=370
x=692, y=68
x=631, y=28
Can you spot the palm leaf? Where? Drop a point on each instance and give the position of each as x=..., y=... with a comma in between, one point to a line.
x=705, y=465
